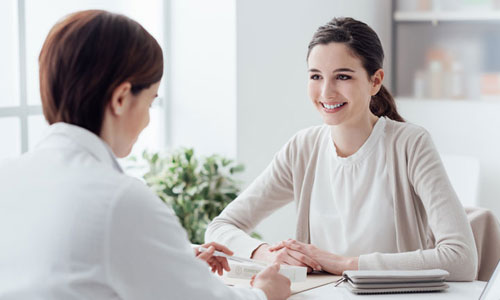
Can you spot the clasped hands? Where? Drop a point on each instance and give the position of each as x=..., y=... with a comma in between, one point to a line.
x=296, y=253
x=290, y=252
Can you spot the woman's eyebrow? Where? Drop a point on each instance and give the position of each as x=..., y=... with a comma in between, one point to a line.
x=344, y=70
x=334, y=71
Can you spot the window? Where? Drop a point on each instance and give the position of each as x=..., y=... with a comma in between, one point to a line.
x=24, y=27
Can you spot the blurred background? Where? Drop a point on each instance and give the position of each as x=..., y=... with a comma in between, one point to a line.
x=236, y=76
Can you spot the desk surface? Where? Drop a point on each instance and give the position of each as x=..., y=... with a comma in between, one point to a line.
x=456, y=291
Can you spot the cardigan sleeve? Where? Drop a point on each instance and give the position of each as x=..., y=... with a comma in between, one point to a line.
x=455, y=249
x=272, y=189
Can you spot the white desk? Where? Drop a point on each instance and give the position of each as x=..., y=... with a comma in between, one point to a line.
x=456, y=291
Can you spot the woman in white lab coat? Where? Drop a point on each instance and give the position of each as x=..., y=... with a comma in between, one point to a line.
x=73, y=225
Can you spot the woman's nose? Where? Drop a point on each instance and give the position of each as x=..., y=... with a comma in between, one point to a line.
x=328, y=90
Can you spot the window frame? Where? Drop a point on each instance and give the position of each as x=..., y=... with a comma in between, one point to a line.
x=22, y=110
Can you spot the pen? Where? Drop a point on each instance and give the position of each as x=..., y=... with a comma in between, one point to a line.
x=235, y=258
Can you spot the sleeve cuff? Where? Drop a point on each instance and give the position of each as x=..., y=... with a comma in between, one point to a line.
x=245, y=245
x=260, y=293
x=367, y=262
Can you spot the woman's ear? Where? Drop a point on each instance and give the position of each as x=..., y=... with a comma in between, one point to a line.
x=119, y=98
x=377, y=80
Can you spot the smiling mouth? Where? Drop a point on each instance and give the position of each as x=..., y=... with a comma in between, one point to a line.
x=333, y=106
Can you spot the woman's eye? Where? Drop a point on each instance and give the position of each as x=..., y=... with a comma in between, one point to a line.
x=343, y=77
x=315, y=77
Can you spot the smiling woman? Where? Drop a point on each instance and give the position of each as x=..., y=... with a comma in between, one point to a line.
x=357, y=56
x=370, y=190
x=339, y=86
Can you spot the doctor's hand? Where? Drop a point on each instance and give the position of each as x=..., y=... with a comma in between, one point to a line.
x=217, y=263
x=272, y=283
x=284, y=255
x=329, y=262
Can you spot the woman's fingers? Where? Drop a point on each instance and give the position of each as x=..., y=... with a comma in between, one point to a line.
x=218, y=247
x=225, y=264
x=297, y=246
x=277, y=247
x=215, y=265
x=252, y=280
x=290, y=260
x=305, y=259
x=283, y=257
x=282, y=245
x=300, y=252
x=304, y=253
x=207, y=254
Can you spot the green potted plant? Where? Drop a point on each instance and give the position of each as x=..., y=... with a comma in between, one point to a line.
x=197, y=189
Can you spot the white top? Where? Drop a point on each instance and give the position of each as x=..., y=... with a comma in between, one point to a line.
x=431, y=227
x=346, y=193
x=73, y=226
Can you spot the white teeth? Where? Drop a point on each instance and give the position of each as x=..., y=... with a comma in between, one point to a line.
x=333, y=106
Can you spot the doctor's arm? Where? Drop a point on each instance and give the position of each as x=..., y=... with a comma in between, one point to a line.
x=149, y=256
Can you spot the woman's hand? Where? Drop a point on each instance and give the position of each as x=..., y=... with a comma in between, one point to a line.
x=217, y=263
x=328, y=262
x=274, y=285
x=287, y=256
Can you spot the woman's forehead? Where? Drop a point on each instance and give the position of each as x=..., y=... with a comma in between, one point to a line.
x=333, y=56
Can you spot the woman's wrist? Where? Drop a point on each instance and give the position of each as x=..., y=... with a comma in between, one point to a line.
x=260, y=252
x=351, y=263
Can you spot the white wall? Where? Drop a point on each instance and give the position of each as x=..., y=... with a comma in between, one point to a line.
x=464, y=128
x=202, y=58
x=272, y=39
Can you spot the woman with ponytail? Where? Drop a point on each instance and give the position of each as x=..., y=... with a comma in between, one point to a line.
x=370, y=190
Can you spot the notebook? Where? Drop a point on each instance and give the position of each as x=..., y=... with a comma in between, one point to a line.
x=394, y=281
x=492, y=289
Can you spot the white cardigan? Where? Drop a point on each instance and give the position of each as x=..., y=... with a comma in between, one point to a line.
x=432, y=230
x=73, y=226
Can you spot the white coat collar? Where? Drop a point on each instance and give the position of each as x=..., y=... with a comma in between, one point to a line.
x=60, y=134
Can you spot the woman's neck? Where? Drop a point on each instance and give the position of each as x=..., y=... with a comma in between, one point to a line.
x=350, y=137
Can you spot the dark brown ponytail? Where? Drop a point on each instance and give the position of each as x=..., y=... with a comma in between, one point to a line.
x=365, y=44
x=383, y=104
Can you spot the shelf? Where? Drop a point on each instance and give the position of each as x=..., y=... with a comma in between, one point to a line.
x=457, y=101
x=443, y=16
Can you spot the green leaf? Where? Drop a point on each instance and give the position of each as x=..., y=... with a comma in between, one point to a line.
x=197, y=188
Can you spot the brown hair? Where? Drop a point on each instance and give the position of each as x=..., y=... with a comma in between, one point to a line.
x=365, y=44
x=85, y=57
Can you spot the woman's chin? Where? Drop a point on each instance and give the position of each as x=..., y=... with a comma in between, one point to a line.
x=125, y=151
x=332, y=121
